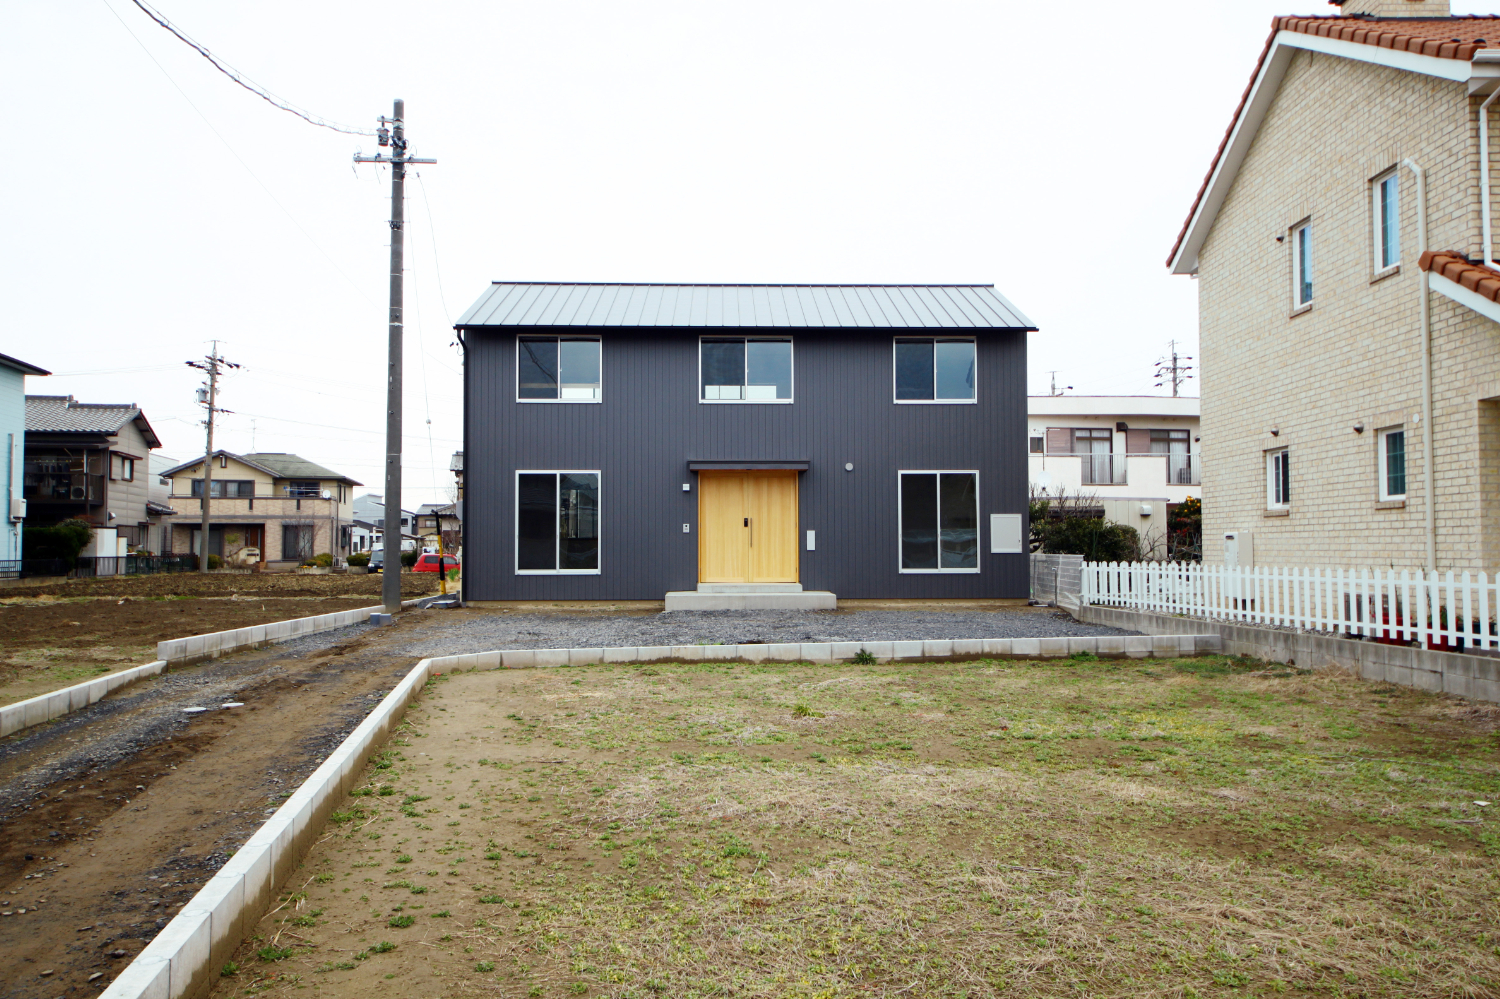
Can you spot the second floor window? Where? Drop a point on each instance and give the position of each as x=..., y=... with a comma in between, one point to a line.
x=1302, y=261
x=745, y=369
x=557, y=369
x=225, y=489
x=1393, y=464
x=934, y=369
x=1387, y=205
x=303, y=489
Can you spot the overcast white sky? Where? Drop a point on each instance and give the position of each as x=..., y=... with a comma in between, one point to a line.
x=1050, y=148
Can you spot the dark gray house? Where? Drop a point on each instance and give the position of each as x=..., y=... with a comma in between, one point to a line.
x=744, y=445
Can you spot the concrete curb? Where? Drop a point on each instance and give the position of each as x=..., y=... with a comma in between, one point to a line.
x=199, y=647
x=45, y=707
x=175, y=652
x=182, y=959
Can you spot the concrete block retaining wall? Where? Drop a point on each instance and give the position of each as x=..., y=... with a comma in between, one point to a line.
x=45, y=707
x=1456, y=673
x=184, y=957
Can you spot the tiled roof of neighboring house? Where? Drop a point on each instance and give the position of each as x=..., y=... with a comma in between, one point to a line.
x=155, y=509
x=278, y=466
x=428, y=509
x=804, y=306
x=457, y=464
x=289, y=466
x=22, y=366
x=1479, y=279
x=1440, y=37
x=62, y=414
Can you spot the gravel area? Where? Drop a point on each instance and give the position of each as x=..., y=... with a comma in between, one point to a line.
x=478, y=631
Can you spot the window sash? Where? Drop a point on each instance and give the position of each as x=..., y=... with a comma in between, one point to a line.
x=938, y=521
x=1278, y=479
x=1387, y=222
x=934, y=369
x=225, y=489
x=559, y=369
x=557, y=523
x=745, y=369
x=1393, y=464
x=1302, y=276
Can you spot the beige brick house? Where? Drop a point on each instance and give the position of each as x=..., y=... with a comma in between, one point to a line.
x=1356, y=146
x=286, y=507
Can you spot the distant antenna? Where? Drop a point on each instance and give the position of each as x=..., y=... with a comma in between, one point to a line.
x=1173, y=369
x=1055, y=389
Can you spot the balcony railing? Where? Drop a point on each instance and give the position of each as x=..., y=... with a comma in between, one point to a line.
x=1103, y=469
x=1114, y=468
x=1182, y=470
x=64, y=487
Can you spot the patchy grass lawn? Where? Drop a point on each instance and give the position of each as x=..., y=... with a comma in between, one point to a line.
x=1200, y=827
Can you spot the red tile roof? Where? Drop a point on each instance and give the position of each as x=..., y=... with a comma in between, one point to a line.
x=1479, y=279
x=1443, y=37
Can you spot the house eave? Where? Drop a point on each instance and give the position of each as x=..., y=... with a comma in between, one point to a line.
x=1463, y=296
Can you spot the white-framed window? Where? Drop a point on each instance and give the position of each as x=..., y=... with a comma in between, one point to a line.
x=1278, y=479
x=1385, y=195
x=1302, y=264
x=558, y=369
x=745, y=369
x=557, y=523
x=1392, y=449
x=934, y=369
x=939, y=520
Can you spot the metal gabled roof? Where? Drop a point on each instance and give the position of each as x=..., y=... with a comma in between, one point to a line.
x=796, y=306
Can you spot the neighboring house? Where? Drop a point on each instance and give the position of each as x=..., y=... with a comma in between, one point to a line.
x=90, y=461
x=749, y=441
x=287, y=507
x=1137, y=454
x=1357, y=144
x=13, y=374
x=369, y=510
x=428, y=530
x=159, y=504
x=456, y=466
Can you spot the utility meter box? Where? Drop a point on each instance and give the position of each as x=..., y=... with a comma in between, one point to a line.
x=1239, y=549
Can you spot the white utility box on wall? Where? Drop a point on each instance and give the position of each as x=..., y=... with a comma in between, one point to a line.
x=1239, y=549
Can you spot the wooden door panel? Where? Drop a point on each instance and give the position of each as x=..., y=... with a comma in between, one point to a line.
x=723, y=551
x=772, y=508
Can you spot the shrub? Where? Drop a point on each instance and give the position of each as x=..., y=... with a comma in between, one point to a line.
x=215, y=562
x=359, y=558
x=408, y=559
x=1073, y=525
x=64, y=540
x=324, y=560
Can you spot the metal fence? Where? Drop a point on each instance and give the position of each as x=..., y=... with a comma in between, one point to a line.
x=1053, y=576
x=1440, y=610
x=90, y=566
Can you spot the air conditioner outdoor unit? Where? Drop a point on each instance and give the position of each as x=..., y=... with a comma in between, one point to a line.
x=17, y=508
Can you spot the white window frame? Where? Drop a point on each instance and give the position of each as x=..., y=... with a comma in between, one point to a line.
x=790, y=341
x=560, y=337
x=978, y=521
x=1273, y=480
x=934, y=401
x=1302, y=233
x=515, y=530
x=1392, y=178
x=1382, y=457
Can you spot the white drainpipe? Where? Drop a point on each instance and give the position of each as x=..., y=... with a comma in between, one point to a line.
x=1428, y=434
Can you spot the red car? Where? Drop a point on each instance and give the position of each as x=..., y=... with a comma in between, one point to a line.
x=435, y=563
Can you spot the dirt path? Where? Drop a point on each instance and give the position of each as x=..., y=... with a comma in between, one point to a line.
x=113, y=817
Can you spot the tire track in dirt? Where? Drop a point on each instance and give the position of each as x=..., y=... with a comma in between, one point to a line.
x=113, y=817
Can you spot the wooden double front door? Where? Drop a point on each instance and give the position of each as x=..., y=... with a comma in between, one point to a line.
x=747, y=526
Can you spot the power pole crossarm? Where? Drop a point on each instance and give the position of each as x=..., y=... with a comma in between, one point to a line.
x=395, y=137
x=210, y=364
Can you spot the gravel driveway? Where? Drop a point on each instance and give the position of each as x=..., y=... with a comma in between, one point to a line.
x=484, y=631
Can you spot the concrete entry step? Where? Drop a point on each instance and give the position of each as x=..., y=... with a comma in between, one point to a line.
x=700, y=600
x=749, y=587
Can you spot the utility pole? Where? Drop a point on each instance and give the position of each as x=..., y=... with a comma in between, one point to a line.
x=395, y=138
x=1065, y=388
x=209, y=398
x=1171, y=369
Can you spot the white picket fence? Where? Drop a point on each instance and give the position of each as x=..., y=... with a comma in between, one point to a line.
x=1439, y=610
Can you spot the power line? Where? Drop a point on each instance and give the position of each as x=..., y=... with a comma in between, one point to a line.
x=248, y=84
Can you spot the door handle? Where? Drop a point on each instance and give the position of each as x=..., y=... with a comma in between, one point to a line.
x=752, y=532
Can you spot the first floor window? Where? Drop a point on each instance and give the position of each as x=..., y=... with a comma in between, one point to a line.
x=1278, y=479
x=557, y=368
x=934, y=369
x=1387, y=205
x=1392, y=443
x=557, y=522
x=296, y=541
x=939, y=521
x=745, y=369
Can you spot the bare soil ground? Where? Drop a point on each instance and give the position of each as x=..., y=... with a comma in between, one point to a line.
x=58, y=633
x=114, y=816
x=1193, y=828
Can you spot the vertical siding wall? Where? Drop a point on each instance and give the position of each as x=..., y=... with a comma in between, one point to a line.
x=12, y=428
x=650, y=425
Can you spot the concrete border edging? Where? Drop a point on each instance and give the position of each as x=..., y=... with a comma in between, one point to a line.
x=197, y=647
x=181, y=959
x=56, y=703
x=1431, y=670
